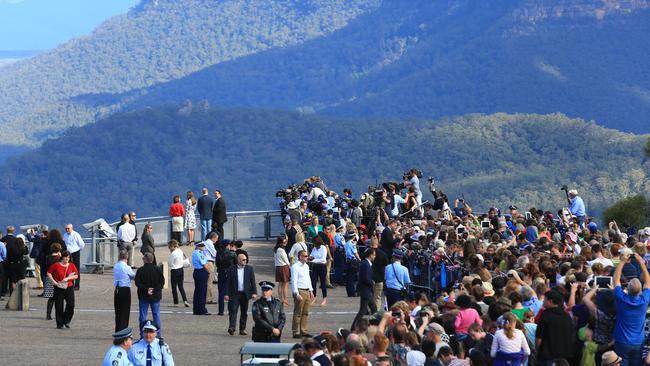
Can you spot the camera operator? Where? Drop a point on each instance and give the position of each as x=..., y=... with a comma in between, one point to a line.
x=577, y=207
x=315, y=193
x=393, y=201
x=411, y=180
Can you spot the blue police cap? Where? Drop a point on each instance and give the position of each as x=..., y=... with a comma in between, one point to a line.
x=124, y=333
x=398, y=253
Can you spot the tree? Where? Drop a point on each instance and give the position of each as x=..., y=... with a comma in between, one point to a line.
x=634, y=211
x=647, y=148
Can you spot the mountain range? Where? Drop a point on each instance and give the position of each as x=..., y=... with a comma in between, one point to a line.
x=501, y=101
x=361, y=58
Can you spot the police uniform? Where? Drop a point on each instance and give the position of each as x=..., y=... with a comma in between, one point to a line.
x=116, y=355
x=159, y=352
x=267, y=316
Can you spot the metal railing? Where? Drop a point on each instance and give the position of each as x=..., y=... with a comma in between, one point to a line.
x=101, y=250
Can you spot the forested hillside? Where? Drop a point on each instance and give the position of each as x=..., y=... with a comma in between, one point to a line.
x=428, y=59
x=158, y=41
x=139, y=160
x=376, y=58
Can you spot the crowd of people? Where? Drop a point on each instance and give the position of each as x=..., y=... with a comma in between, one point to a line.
x=535, y=287
x=56, y=259
x=530, y=287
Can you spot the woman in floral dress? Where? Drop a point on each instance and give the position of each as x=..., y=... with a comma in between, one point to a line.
x=190, y=217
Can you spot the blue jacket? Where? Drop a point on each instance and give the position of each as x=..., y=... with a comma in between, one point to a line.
x=365, y=284
x=204, y=207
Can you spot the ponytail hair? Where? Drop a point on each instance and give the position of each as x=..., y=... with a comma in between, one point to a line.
x=509, y=325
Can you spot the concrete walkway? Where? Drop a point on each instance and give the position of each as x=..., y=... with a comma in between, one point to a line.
x=26, y=338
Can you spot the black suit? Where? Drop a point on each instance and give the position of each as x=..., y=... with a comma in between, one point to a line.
x=239, y=299
x=219, y=216
x=387, y=241
x=365, y=291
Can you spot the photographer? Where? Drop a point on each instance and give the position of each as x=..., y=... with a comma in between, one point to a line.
x=394, y=201
x=411, y=179
x=577, y=207
x=464, y=210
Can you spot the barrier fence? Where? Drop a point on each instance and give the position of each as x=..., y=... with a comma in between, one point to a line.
x=101, y=247
x=427, y=274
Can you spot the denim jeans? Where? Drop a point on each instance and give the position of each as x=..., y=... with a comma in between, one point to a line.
x=155, y=310
x=206, y=226
x=630, y=353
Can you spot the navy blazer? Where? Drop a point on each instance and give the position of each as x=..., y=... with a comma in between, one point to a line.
x=365, y=284
x=204, y=207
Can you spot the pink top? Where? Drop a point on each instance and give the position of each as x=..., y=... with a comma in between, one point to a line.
x=465, y=318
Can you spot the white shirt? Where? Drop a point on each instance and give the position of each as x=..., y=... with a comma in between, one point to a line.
x=319, y=254
x=300, y=277
x=315, y=193
x=604, y=261
x=504, y=344
x=210, y=252
x=126, y=232
x=293, y=253
x=280, y=258
x=176, y=259
x=73, y=241
x=240, y=279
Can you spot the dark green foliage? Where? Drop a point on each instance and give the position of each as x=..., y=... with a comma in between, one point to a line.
x=634, y=211
x=402, y=59
x=647, y=148
x=428, y=59
x=158, y=41
x=139, y=160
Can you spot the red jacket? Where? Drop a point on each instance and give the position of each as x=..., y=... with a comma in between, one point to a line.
x=176, y=209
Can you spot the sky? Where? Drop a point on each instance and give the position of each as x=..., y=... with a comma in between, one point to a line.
x=44, y=24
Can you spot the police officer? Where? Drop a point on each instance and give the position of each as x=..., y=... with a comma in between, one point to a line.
x=268, y=315
x=118, y=354
x=150, y=351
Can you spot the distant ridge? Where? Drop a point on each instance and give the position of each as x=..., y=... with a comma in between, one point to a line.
x=361, y=58
x=157, y=41
x=139, y=160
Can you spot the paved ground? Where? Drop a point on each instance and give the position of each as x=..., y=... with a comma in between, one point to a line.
x=26, y=338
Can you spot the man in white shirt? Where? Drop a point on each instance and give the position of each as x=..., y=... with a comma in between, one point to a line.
x=597, y=252
x=241, y=288
x=126, y=238
x=315, y=193
x=74, y=244
x=302, y=293
x=210, y=253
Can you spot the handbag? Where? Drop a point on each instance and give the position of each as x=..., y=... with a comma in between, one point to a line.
x=61, y=284
x=186, y=261
x=403, y=292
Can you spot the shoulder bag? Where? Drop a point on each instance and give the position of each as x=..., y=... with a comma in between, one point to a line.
x=63, y=284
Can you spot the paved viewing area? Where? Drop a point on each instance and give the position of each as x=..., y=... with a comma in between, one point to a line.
x=28, y=339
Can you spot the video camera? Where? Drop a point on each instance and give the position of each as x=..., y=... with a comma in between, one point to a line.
x=407, y=174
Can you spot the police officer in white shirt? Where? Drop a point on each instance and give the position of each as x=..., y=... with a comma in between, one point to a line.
x=150, y=350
